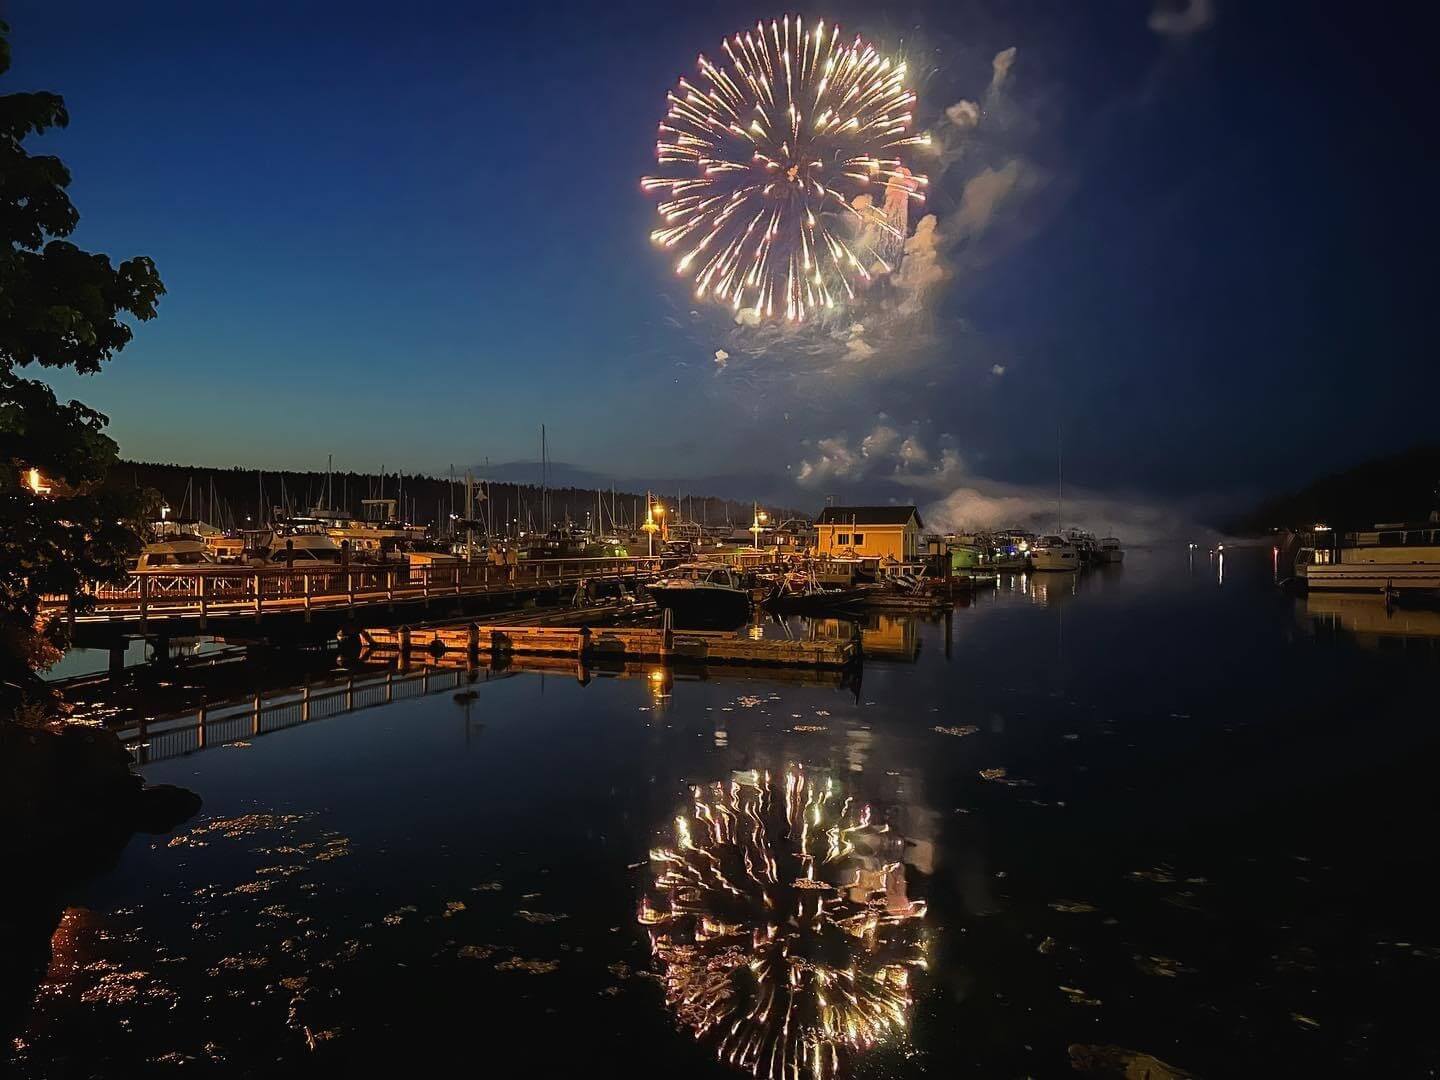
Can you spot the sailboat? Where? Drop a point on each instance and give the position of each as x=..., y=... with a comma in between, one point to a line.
x=1055, y=552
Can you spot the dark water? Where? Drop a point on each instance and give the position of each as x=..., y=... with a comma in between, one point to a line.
x=1144, y=809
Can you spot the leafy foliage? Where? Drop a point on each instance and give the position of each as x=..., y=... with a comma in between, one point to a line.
x=60, y=307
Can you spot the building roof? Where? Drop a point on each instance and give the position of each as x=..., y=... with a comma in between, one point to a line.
x=869, y=515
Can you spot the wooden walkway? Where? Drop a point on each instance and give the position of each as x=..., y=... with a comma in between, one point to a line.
x=620, y=643
x=225, y=594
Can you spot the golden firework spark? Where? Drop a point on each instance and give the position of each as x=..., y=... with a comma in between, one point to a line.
x=765, y=158
x=782, y=933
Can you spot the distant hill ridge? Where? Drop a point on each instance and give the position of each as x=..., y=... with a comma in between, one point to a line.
x=227, y=496
x=1398, y=487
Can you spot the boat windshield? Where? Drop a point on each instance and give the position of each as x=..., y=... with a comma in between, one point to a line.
x=176, y=558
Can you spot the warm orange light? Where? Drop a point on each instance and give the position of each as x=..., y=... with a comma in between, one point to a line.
x=36, y=483
x=659, y=510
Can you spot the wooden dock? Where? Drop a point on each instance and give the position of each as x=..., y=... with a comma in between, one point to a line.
x=617, y=643
x=206, y=599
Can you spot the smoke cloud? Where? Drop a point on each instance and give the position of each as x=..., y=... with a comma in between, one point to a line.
x=1180, y=20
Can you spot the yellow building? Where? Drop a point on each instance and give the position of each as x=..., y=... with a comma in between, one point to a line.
x=870, y=532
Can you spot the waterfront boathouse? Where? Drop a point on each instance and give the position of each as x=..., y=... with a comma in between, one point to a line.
x=870, y=532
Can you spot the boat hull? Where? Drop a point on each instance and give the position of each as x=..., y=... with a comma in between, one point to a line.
x=708, y=606
x=1054, y=561
x=1372, y=577
x=799, y=603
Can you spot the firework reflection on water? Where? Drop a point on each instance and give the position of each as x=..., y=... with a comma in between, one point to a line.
x=780, y=922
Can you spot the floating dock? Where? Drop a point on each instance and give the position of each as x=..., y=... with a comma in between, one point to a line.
x=617, y=643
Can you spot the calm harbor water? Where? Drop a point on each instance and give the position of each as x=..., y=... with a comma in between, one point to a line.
x=1161, y=807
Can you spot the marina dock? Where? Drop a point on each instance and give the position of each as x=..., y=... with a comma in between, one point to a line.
x=235, y=600
x=618, y=643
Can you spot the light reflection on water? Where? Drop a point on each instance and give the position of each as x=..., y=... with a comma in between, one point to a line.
x=781, y=923
x=1089, y=780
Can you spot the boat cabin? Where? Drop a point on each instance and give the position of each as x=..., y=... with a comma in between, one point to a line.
x=180, y=552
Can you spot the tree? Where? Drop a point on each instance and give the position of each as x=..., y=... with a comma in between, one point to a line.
x=60, y=307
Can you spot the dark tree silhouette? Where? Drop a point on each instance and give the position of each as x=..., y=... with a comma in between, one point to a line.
x=60, y=307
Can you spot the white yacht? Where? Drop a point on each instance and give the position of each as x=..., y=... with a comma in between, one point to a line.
x=303, y=549
x=1054, y=553
x=1390, y=557
x=1109, y=550
x=176, y=552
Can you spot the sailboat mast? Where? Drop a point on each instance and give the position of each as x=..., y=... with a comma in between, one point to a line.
x=1060, y=469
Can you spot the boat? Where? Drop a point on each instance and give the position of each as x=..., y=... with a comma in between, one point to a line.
x=178, y=551
x=1391, y=557
x=1012, y=551
x=1109, y=551
x=703, y=592
x=1054, y=553
x=299, y=548
x=798, y=593
x=1087, y=548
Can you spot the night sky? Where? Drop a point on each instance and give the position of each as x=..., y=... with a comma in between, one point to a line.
x=410, y=234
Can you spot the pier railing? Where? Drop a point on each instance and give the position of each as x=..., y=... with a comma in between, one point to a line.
x=230, y=590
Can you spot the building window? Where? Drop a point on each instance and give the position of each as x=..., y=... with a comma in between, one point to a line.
x=859, y=539
x=843, y=539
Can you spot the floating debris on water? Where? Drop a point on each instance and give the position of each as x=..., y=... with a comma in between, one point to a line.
x=530, y=967
x=1120, y=1062
x=541, y=918
x=1078, y=996
x=476, y=952
x=959, y=732
x=1162, y=966
x=1073, y=907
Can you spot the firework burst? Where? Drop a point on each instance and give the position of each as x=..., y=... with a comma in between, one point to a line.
x=764, y=162
x=783, y=934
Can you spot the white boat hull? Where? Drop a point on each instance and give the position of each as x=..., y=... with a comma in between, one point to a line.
x=1372, y=577
x=1055, y=560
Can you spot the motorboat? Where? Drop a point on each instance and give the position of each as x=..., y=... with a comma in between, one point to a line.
x=301, y=549
x=802, y=592
x=1054, y=553
x=1393, y=557
x=1012, y=551
x=703, y=592
x=1109, y=551
x=177, y=552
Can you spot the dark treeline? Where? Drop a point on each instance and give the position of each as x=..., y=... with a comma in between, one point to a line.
x=1398, y=487
x=232, y=498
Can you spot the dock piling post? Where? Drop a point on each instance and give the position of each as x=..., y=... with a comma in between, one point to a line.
x=667, y=634
x=405, y=641
x=204, y=601
x=144, y=600
x=306, y=579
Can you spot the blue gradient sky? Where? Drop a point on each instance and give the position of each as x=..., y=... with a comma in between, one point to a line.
x=408, y=234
